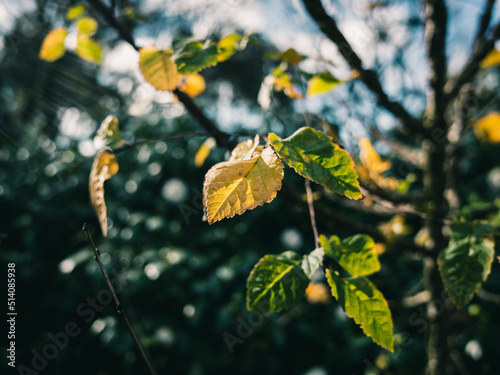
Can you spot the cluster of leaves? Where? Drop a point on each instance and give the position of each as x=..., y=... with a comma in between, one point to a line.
x=54, y=44
x=279, y=281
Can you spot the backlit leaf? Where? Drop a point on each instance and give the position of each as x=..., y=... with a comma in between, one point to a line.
x=312, y=154
x=277, y=282
x=104, y=167
x=311, y=262
x=246, y=149
x=87, y=25
x=373, y=166
x=204, y=151
x=488, y=128
x=108, y=134
x=466, y=262
x=158, y=68
x=491, y=60
x=233, y=187
x=53, y=45
x=195, y=57
x=75, y=12
x=363, y=302
x=88, y=49
x=355, y=254
x=192, y=84
x=228, y=46
x=321, y=83
x=283, y=82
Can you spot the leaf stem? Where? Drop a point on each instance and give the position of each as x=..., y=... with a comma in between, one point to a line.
x=311, y=211
x=119, y=308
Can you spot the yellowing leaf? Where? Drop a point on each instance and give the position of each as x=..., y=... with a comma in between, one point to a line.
x=321, y=83
x=373, y=166
x=87, y=25
x=491, y=60
x=318, y=293
x=158, y=68
x=233, y=187
x=245, y=150
x=488, y=128
x=193, y=85
x=284, y=83
x=228, y=46
x=75, y=12
x=108, y=134
x=104, y=167
x=88, y=49
x=53, y=45
x=204, y=151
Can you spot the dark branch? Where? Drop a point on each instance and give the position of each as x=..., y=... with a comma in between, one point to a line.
x=485, y=20
x=221, y=137
x=484, y=47
x=119, y=307
x=329, y=27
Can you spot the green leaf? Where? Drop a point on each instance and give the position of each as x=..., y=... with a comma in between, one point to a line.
x=355, y=254
x=87, y=25
x=321, y=83
x=108, y=134
x=75, y=12
x=466, y=262
x=310, y=263
x=277, y=282
x=229, y=45
x=312, y=154
x=363, y=302
x=53, y=45
x=291, y=57
x=195, y=57
x=88, y=49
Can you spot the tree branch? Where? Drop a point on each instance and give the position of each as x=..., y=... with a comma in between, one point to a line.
x=329, y=27
x=221, y=137
x=485, y=20
x=119, y=308
x=484, y=47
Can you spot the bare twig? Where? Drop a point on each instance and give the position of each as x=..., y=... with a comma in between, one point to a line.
x=164, y=138
x=310, y=203
x=488, y=296
x=119, y=308
x=484, y=47
x=485, y=20
x=329, y=27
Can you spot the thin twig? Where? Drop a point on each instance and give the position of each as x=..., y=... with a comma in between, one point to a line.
x=164, y=138
x=119, y=308
x=310, y=203
x=485, y=20
x=328, y=26
x=488, y=296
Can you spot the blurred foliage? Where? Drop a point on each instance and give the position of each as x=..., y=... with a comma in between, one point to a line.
x=185, y=281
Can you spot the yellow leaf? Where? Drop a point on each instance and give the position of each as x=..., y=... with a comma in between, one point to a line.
x=104, y=167
x=232, y=187
x=88, y=49
x=75, y=12
x=318, y=293
x=491, y=60
x=87, y=25
x=193, y=84
x=488, y=127
x=285, y=85
x=53, y=45
x=204, y=151
x=158, y=68
x=245, y=150
x=373, y=166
